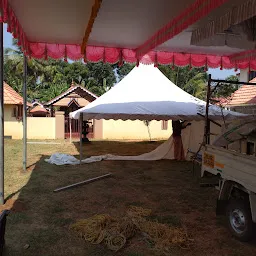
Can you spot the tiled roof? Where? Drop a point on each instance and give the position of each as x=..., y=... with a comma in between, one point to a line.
x=253, y=80
x=221, y=101
x=38, y=108
x=11, y=97
x=245, y=95
x=73, y=88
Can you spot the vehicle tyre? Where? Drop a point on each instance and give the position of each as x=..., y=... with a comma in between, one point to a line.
x=240, y=220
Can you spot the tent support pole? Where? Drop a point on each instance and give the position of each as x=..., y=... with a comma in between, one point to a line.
x=25, y=113
x=1, y=116
x=207, y=123
x=81, y=139
x=70, y=131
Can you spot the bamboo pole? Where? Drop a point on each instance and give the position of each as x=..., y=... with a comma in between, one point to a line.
x=83, y=182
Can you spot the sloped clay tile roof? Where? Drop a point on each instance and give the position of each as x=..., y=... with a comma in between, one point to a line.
x=37, y=109
x=73, y=88
x=245, y=95
x=221, y=101
x=253, y=80
x=11, y=97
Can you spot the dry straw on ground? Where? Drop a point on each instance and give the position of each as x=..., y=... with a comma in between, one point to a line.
x=114, y=232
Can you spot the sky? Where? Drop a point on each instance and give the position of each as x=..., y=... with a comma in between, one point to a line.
x=216, y=73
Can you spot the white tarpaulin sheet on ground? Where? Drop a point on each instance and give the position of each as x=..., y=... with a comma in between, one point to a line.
x=147, y=94
x=192, y=137
x=164, y=151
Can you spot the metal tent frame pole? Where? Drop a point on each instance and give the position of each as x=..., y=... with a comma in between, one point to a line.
x=207, y=123
x=1, y=115
x=24, y=113
x=210, y=91
x=70, y=130
x=81, y=139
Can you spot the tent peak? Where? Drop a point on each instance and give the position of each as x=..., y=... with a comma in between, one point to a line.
x=147, y=94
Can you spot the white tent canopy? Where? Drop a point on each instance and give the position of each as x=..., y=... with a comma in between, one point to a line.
x=147, y=94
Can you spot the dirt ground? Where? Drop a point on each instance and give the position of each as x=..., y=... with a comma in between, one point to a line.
x=41, y=219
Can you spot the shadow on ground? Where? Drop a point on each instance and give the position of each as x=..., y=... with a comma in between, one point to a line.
x=39, y=220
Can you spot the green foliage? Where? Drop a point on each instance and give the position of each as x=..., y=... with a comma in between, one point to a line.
x=48, y=78
x=123, y=70
x=226, y=89
x=192, y=80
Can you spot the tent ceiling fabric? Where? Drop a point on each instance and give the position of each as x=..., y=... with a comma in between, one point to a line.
x=58, y=21
x=146, y=94
x=56, y=29
x=236, y=14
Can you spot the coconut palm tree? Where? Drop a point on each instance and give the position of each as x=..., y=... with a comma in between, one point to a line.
x=14, y=66
x=196, y=86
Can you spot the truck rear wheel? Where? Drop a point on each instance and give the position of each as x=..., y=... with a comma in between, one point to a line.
x=240, y=220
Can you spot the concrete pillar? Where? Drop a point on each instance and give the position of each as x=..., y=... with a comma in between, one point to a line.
x=98, y=129
x=244, y=75
x=59, y=125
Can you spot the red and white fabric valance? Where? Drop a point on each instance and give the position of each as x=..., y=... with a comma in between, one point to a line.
x=115, y=55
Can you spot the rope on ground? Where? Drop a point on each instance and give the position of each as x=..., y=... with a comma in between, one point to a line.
x=114, y=232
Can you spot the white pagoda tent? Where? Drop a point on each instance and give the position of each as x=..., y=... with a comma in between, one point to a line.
x=147, y=94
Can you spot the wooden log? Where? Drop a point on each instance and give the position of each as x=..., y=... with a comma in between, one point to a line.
x=83, y=182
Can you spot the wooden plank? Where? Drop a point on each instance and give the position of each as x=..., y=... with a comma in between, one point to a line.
x=83, y=182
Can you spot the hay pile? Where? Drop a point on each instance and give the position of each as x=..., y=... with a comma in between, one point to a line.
x=114, y=232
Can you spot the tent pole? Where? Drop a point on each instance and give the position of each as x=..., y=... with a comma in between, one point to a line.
x=70, y=131
x=1, y=116
x=207, y=123
x=81, y=139
x=25, y=114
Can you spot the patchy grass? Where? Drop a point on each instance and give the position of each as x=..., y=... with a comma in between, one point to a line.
x=42, y=218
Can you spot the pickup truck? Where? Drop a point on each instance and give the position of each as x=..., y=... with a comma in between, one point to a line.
x=237, y=187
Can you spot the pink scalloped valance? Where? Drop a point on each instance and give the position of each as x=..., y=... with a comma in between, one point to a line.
x=115, y=55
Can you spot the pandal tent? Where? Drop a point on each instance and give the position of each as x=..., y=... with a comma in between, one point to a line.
x=146, y=94
x=183, y=33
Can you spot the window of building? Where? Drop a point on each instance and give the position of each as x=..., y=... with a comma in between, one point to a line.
x=18, y=111
x=164, y=124
x=14, y=112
